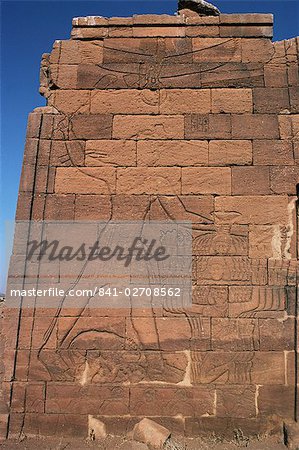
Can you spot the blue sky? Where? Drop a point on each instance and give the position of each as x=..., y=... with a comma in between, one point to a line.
x=29, y=29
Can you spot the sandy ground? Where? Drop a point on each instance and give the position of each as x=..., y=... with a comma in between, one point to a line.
x=121, y=444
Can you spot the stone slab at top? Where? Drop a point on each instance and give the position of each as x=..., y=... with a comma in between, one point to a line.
x=183, y=24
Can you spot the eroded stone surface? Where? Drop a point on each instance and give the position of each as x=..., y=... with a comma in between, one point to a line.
x=165, y=118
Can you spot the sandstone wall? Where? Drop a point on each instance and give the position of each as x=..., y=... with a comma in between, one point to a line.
x=163, y=117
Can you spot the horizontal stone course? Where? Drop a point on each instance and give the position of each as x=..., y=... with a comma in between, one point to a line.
x=167, y=25
x=144, y=19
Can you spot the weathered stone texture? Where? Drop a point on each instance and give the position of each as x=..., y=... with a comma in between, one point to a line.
x=164, y=118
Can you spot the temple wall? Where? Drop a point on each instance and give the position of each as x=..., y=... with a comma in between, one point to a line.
x=166, y=118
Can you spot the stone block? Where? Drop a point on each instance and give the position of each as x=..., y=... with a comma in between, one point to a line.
x=258, y=301
x=30, y=152
x=238, y=368
x=75, y=52
x=226, y=427
x=228, y=75
x=284, y=179
x=289, y=127
x=151, y=433
x=94, y=399
x=150, y=180
x=27, y=178
x=277, y=400
x=33, y=125
x=213, y=180
x=59, y=206
x=67, y=153
x=172, y=153
x=235, y=335
x=154, y=19
x=89, y=33
x=259, y=126
x=110, y=153
x=271, y=100
x=44, y=150
x=148, y=127
x=130, y=207
x=210, y=301
x=71, y=180
x=252, y=19
x=250, y=180
x=235, y=31
x=266, y=241
x=195, y=208
x=273, y=153
x=275, y=75
x=55, y=425
x=207, y=126
x=96, y=429
x=203, y=31
x=71, y=101
x=216, y=50
x=185, y=101
x=257, y=50
x=184, y=335
x=282, y=272
x=129, y=101
x=291, y=432
x=171, y=401
x=92, y=126
x=65, y=76
x=195, y=19
x=276, y=335
x=158, y=31
x=233, y=152
x=294, y=99
x=120, y=32
x=236, y=401
x=232, y=101
x=230, y=270
x=93, y=207
x=259, y=210
x=3, y=426
x=290, y=361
